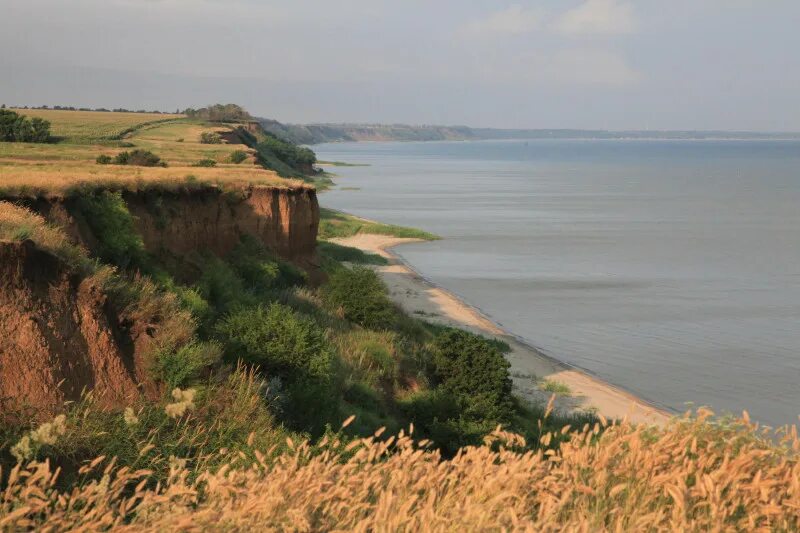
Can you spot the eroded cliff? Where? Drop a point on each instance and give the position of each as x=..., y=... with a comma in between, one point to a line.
x=62, y=328
x=180, y=221
x=59, y=335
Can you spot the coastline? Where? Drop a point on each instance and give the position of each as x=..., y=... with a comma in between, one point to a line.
x=422, y=298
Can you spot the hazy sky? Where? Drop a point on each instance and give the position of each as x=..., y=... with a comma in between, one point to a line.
x=615, y=64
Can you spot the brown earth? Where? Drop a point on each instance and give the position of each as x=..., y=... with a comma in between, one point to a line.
x=59, y=336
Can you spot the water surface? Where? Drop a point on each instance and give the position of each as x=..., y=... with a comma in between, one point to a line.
x=669, y=268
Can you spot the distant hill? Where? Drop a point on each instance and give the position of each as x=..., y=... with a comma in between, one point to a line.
x=321, y=133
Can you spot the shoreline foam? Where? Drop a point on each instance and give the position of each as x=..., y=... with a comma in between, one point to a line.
x=420, y=296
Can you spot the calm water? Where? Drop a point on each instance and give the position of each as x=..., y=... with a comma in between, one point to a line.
x=669, y=268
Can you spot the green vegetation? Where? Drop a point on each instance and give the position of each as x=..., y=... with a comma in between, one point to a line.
x=556, y=387
x=360, y=296
x=335, y=224
x=207, y=163
x=237, y=156
x=210, y=137
x=220, y=113
x=140, y=158
x=108, y=216
x=320, y=133
x=18, y=128
x=346, y=254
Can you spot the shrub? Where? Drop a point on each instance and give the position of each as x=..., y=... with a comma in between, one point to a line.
x=178, y=368
x=279, y=340
x=220, y=113
x=291, y=154
x=372, y=355
x=286, y=344
x=361, y=296
x=205, y=163
x=210, y=137
x=475, y=373
x=222, y=287
x=237, y=156
x=141, y=158
x=17, y=128
x=261, y=270
x=112, y=224
x=104, y=159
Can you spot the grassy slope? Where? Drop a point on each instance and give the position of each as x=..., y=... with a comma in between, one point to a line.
x=335, y=224
x=33, y=169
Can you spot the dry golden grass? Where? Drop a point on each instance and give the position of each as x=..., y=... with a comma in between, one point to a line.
x=58, y=178
x=18, y=223
x=689, y=476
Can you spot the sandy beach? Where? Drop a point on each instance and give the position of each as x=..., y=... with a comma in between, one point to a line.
x=529, y=367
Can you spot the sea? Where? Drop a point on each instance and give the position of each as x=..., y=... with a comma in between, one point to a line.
x=668, y=268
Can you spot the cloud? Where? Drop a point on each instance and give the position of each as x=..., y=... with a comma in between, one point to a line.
x=597, y=17
x=514, y=20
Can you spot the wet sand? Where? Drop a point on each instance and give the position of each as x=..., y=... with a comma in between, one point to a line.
x=529, y=367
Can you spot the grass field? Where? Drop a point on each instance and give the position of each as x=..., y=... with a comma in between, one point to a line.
x=34, y=169
x=93, y=126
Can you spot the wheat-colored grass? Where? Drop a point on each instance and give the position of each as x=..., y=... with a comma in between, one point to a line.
x=87, y=126
x=57, y=179
x=689, y=476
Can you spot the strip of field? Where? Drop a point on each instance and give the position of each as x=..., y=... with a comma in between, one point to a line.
x=30, y=169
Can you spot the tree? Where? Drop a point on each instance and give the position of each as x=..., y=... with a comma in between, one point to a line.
x=7, y=120
x=17, y=128
x=475, y=373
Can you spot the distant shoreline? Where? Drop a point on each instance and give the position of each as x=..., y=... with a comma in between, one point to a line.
x=311, y=134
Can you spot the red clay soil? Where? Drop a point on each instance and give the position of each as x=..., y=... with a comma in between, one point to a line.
x=58, y=336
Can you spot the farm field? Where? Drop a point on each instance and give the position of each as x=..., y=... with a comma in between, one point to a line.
x=93, y=126
x=29, y=168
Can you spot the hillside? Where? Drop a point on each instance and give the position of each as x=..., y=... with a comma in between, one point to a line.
x=324, y=133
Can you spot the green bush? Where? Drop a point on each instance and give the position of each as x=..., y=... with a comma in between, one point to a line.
x=260, y=269
x=141, y=158
x=209, y=137
x=178, y=368
x=220, y=113
x=279, y=340
x=205, y=163
x=361, y=297
x=237, y=156
x=285, y=344
x=221, y=287
x=475, y=373
x=104, y=159
x=17, y=128
x=112, y=224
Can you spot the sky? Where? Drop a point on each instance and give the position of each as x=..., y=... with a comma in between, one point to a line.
x=595, y=64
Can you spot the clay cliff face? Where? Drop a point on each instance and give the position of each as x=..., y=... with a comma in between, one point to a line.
x=284, y=219
x=59, y=335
